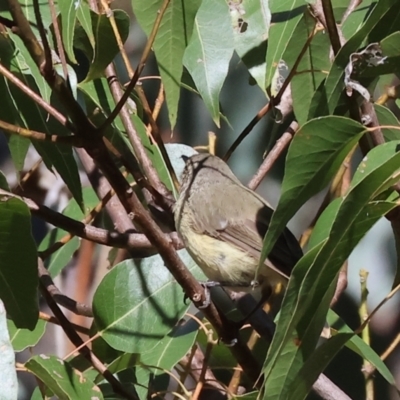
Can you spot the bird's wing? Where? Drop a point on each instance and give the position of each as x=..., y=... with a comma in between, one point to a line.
x=248, y=235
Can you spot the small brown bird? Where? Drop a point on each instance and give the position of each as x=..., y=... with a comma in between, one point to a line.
x=222, y=224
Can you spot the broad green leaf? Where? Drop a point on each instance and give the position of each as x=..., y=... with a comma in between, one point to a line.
x=68, y=16
x=18, y=269
x=138, y=303
x=313, y=67
x=64, y=381
x=60, y=258
x=172, y=348
x=8, y=376
x=125, y=361
x=356, y=19
x=315, y=273
x=386, y=117
x=23, y=58
x=9, y=111
x=251, y=21
x=85, y=20
x=324, y=143
x=106, y=47
x=209, y=52
x=62, y=159
x=21, y=339
x=170, y=43
x=286, y=14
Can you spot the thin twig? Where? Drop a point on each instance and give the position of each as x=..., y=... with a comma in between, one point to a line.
x=323, y=11
x=350, y=8
x=57, y=33
x=158, y=190
x=35, y=97
x=46, y=67
x=281, y=144
x=130, y=241
x=53, y=320
x=60, y=298
x=110, y=15
x=139, y=68
x=204, y=368
x=369, y=370
x=273, y=100
x=363, y=312
x=40, y=136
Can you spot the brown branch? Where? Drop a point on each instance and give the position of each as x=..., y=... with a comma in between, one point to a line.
x=35, y=97
x=193, y=363
x=57, y=33
x=7, y=22
x=155, y=135
x=280, y=145
x=40, y=136
x=53, y=320
x=328, y=390
x=46, y=67
x=128, y=240
x=158, y=190
x=350, y=8
x=323, y=11
x=65, y=301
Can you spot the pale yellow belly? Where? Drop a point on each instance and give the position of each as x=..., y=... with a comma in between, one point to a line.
x=223, y=262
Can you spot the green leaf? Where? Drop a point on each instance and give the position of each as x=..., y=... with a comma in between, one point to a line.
x=324, y=143
x=62, y=158
x=355, y=20
x=9, y=111
x=209, y=52
x=138, y=303
x=286, y=14
x=170, y=43
x=251, y=22
x=57, y=155
x=312, y=69
x=172, y=348
x=358, y=345
x=60, y=258
x=315, y=365
x=68, y=16
x=83, y=16
x=18, y=269
x=123, y=362
x=21, y=339
x=318, y=269
x=8, y=376
x=65, y=382
x=386, y=117
x=106, y=47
